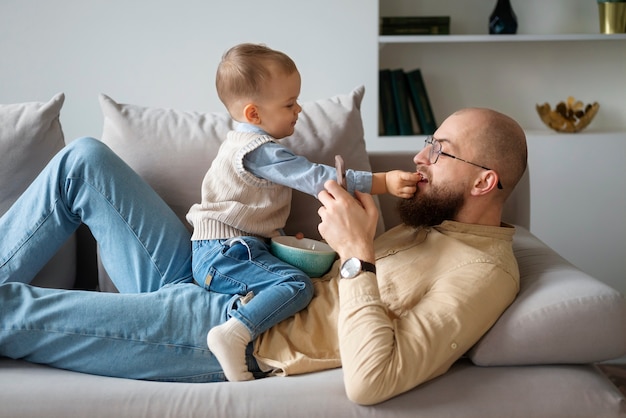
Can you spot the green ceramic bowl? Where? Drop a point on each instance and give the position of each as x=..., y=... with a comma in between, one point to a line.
x=311, y=256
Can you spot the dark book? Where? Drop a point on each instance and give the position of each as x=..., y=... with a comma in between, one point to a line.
x=401, y=102
x=387, y=111
x=415, y=25
x=421, y=104
x=414, y=20
x=415, y=30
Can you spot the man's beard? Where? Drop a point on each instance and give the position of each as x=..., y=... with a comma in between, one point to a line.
x=430, y=209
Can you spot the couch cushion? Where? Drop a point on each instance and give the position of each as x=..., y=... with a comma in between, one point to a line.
x=30, y=135
x=561, y=314
x=464, y=391
x=173, y=149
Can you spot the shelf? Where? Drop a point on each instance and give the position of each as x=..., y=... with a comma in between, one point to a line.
x=403, y=39
x=414, y=143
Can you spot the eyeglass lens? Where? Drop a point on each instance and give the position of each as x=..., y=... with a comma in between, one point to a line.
x=434, y=151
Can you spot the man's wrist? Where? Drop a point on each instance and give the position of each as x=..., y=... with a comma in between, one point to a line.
x=354, y=266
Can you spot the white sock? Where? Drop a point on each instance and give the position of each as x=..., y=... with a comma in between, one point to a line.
x=228, y=342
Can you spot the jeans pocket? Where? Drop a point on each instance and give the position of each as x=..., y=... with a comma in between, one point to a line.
x=222, y=283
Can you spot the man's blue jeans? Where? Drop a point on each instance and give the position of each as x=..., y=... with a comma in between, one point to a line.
x=156, y=327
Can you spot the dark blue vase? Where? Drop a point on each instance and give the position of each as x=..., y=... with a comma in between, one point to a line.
x=503, y=19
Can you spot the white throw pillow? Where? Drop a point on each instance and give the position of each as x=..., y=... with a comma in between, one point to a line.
x=173, y=149
x=30, y=135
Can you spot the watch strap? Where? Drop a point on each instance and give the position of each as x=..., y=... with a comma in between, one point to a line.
x=369, y=267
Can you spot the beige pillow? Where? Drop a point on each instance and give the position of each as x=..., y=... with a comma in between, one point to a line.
x=30, y=135
x=172, y=149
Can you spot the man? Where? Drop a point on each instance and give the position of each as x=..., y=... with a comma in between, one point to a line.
x=398, y=312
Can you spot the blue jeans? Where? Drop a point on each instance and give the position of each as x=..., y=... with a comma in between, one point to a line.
x=156, y=327
x=245, y=264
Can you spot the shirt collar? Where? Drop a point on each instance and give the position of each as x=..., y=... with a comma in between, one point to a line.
x=248, y=127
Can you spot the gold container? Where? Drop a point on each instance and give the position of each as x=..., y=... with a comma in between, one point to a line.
x=612, y=17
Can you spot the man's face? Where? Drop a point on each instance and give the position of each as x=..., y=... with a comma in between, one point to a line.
x=442, y=192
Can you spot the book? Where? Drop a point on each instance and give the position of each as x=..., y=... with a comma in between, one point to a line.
x=419, y=99
x=401, y=102
x=415, y=25
x=415, y=20
x=387, y=111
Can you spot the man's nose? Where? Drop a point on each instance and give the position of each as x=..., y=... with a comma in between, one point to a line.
x=421, y=158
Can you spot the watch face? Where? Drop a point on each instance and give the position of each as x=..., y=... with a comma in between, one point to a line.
x=350, y=268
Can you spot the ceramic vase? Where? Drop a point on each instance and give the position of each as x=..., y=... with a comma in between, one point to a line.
x=503, y=19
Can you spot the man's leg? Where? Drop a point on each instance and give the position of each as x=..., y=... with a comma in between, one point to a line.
x=155, y=336
x=143, y=244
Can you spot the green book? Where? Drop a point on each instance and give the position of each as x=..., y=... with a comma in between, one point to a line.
x=401, y=102
x=415, y=20
x=420, y=102
x=415, y=30
x=387, y=111
x=415, y=25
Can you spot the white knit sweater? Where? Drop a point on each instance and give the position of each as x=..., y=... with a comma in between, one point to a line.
x=234, y=201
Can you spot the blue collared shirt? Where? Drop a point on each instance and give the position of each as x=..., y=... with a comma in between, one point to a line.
x=277, y=163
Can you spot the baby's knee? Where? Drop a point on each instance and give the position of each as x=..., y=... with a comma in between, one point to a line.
x=307, y=288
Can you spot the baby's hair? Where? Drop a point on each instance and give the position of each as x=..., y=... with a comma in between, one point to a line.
x=245, y=68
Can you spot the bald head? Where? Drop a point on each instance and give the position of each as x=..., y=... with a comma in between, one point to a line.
x=492, y=139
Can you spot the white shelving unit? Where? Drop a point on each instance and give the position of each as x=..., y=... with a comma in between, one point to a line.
x=544, y=43
x=403, y=143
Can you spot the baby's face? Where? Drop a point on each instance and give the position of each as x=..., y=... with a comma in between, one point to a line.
x=278, y=109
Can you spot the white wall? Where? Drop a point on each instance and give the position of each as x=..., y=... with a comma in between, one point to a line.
x=164, y=53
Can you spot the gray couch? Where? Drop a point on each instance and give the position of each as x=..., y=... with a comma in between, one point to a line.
x=537, y=360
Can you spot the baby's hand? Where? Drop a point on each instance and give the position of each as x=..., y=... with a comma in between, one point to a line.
x=402, y=183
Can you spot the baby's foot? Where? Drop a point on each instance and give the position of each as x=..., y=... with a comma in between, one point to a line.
x=228, y=342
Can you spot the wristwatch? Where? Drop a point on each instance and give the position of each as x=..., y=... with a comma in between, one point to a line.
x=352, y=267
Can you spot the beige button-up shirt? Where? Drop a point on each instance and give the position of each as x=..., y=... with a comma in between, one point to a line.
x=436, y=292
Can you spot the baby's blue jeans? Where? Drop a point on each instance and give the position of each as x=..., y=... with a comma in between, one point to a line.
x=245, y=266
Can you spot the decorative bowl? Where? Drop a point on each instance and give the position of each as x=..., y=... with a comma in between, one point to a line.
x=311, y=256
x=570, y=116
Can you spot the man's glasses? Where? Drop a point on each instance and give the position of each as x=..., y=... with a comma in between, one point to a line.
x=435, y=151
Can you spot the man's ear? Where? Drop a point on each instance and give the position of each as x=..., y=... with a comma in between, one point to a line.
x=486, y=182
x=251, y=114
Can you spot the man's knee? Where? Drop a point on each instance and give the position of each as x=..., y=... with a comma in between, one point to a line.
x=86, y=144
x=87, y=149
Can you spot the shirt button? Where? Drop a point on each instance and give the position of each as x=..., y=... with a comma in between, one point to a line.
x=453, y=346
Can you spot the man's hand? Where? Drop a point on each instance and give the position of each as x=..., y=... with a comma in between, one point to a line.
x=348, y=223
x=402, y=183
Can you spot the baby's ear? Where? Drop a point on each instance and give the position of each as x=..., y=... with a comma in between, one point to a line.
x=251, y=114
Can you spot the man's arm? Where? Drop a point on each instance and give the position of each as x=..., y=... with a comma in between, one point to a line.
x=383, y=355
